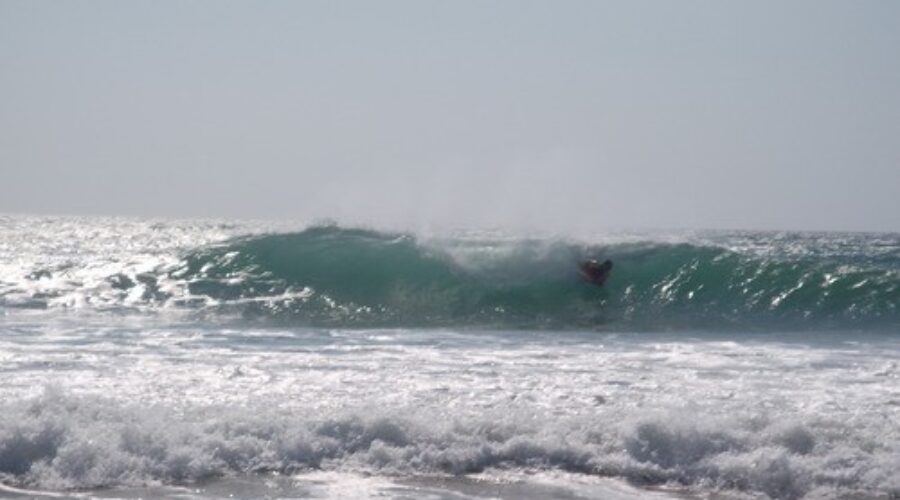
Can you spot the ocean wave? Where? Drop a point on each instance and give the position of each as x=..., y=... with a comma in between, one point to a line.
x=63, y=442
x=327, y=275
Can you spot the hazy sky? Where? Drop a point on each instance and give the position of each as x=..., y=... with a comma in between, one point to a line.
x=554, y=115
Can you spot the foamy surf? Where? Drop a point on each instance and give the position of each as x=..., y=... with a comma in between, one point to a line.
x=186, y=406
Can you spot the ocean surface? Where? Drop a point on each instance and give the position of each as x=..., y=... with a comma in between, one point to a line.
x=209, y=359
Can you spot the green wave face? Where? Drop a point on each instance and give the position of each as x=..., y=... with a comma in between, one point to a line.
x=350, y=277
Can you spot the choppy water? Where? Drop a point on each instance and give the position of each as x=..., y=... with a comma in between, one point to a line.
x=205, y=359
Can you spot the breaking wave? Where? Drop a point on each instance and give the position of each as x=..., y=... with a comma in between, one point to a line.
x=334, y=276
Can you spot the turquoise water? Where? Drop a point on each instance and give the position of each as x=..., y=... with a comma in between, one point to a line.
x=332, y=276
x=203, y=359
x=357, y=277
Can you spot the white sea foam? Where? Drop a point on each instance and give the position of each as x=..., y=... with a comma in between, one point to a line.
x=106, y=262
x=175, y=405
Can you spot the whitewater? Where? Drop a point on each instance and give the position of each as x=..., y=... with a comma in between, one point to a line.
x=208, y=359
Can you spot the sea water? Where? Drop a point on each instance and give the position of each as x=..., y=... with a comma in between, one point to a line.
x=203, y=359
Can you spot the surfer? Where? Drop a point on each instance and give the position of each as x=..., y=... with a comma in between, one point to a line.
x=596, y=272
